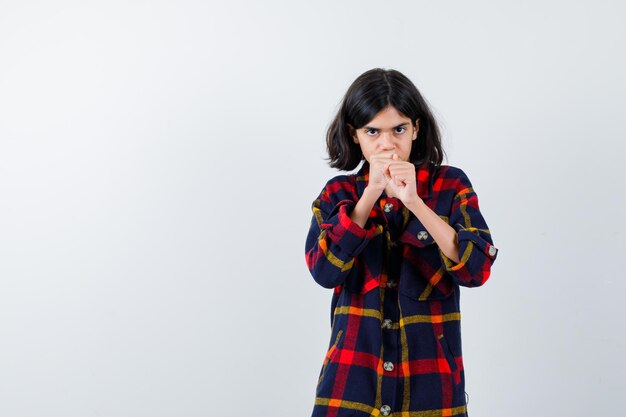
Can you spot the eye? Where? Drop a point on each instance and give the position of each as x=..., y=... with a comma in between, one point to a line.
x=400, y=130
x=371, y=132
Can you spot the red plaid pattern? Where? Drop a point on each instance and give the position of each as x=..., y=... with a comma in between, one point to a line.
x=395, y=345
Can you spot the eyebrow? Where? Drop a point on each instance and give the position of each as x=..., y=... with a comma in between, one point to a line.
x=376, y=128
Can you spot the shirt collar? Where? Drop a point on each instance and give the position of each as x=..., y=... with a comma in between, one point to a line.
x=423, y=174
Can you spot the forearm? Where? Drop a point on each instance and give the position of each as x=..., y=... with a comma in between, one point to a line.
x=364, y=206
x=444, y=235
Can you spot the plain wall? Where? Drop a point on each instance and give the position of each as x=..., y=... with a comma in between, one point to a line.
x=158, y=161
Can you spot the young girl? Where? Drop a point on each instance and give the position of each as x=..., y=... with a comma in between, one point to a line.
x=394, y=241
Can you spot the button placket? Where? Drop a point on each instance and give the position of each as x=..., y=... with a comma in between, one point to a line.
x=393, y=216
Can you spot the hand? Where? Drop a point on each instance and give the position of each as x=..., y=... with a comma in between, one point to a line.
x=402, y=180
x=379, y=168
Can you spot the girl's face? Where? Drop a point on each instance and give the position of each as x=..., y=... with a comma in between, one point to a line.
x=389, y=130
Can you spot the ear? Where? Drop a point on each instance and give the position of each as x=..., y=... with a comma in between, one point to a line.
x=352, y=131
x=417, y=128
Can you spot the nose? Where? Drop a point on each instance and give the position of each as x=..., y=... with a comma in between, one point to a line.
x=386, y=142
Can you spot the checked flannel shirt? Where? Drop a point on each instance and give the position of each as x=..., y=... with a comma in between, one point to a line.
x=395, y=342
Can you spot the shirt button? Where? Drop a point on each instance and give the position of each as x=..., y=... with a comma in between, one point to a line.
x=385, y=410
x=386, y=324
x=388, y=207
x=388, y=366
x=391, y=283
x=492, y=250
x=422, y=235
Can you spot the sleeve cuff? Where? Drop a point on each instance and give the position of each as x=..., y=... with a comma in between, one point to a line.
x=346, y=233
x=475, y=258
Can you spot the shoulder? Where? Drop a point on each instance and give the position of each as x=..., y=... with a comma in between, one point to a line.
x=341, y=180
x=340, y=187
x=449, y=172
x=450, y=177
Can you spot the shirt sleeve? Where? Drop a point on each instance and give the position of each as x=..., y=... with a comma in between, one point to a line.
x=476, y=250
x=334, y=240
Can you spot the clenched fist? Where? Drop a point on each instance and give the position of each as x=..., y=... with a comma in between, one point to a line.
x=387, y=171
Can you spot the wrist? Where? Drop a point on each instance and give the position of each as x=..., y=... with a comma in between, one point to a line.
x=369, y=198
x=372, y=192
x=416, y=206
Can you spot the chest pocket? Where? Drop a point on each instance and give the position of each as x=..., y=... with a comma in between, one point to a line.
x=412, y=254
x=422, y=275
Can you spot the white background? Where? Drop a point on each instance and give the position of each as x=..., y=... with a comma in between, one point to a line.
x=158, y=161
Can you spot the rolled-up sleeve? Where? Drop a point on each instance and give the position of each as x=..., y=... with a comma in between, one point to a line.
x=477, y=252
x=334, y=240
